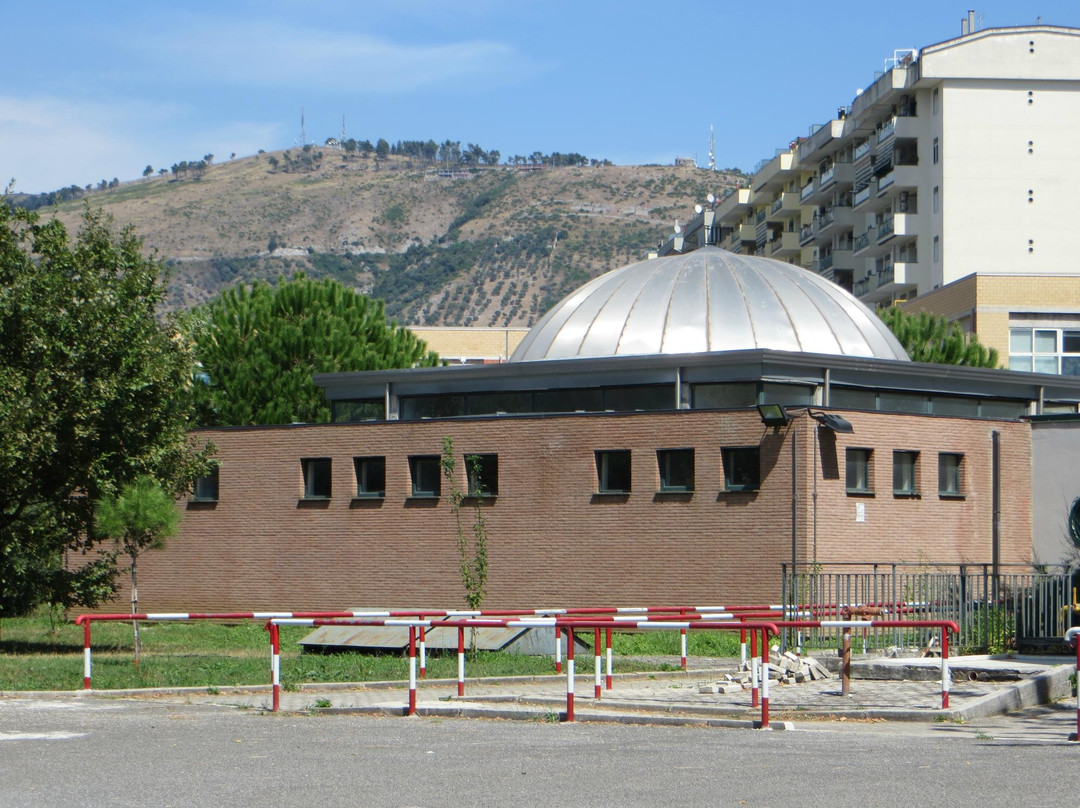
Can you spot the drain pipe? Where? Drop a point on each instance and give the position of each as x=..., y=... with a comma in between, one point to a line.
x=995, y=529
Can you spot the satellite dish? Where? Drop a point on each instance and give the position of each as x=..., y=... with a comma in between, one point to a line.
x=698, y=208
x=678, y=227
x=710, y=199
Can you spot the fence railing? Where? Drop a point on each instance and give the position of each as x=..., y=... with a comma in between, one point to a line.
x=1018, y=609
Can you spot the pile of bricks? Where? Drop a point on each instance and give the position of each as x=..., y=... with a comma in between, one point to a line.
x=786, y=668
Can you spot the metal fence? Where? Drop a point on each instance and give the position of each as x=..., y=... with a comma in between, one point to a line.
x=1016, y=609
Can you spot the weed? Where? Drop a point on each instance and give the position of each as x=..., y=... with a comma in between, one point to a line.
x=213, y=690
x=940, y=719
x=551, y=717
x=982, y=736
x=322, y=703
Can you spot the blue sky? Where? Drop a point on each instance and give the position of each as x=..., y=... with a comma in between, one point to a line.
x=99, y=90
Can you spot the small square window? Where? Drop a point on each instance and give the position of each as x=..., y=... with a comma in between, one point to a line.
x=858, y=471
x=206, y=487
x=370, y=476
x=317, y=479
x=905, y=474
x=742, y=468
x=676, y=469
x=613, y=472
x=949, y=480
x=483, y=474
x=425, y=471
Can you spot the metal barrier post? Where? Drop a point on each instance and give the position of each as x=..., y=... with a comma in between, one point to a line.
x=845, y=664
x=423, y=651
x=412, y=670
x=558, y=650
x=461, y=660
x=945, y=668
x=765, y=679
x=596, y=664
x=753, y=670
x=275, y=665
x=86, y=653
x=569, y=674
x=608, y=640
x=682, y=646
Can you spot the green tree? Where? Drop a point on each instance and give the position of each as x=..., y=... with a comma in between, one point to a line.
x=93, y=392
x=929, y=338
x=259, y=346
x=382, y=149
x=141, y=517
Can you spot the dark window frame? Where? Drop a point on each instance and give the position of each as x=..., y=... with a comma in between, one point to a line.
x=425, y=469
x=482, y=473
x=318, y=476
x=370, y=470
x=613, y=467
x=207, y=487
x=900, y=463
x=946, y=491
x=742, y=467
x=851, y=482
x=675, y=477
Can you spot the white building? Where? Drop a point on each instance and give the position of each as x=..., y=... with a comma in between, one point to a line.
x=958, y=163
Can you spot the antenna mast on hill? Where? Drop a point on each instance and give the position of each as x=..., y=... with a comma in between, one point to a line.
x=303, y=132
x=712, y=149
x=342, y=138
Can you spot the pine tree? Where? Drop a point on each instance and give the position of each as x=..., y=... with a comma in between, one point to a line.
x=258, y=347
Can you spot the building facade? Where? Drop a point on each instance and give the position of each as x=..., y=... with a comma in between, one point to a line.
x=671, y=433
x=957, y=161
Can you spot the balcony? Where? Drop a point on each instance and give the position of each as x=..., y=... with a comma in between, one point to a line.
x=807, y=191
x=885, y=229
x=834, y=220
x=773, y=174
x=806, y=234
x=741, y=233
x=861, y=288
x=887, y=130
x=785, y=245
x=861, y=196
x=784, y=207
x=862, y=150
x=862, y=241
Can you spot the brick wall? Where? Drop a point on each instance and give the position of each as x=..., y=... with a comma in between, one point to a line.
x=552, y=540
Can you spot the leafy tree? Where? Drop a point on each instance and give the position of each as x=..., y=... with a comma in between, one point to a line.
x=382, y=149
x=928, y=338
x=148, y=171
x=141, y=517
x=259, y=346
x=93, y=392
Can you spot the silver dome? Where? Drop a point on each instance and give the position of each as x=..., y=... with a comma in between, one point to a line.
x=708, y=300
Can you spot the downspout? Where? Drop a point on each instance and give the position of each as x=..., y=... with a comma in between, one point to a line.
x=995, y=498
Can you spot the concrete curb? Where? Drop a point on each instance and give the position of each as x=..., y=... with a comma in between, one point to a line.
x=1046, y=687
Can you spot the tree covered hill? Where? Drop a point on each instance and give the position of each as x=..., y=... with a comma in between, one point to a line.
x=476, y=245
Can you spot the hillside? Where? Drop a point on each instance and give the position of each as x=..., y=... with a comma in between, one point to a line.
x=492, y=247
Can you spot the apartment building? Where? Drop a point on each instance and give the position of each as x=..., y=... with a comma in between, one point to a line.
x=957, y=162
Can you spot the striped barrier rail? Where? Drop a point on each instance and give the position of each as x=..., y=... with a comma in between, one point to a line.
x=567, y=624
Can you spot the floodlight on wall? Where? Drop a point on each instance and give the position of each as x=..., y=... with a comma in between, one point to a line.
x=833, y=422
x=773, y=415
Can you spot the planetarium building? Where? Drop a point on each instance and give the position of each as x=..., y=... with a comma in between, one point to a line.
x=672, y=432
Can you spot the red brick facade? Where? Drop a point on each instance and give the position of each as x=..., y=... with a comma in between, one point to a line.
x=552, y=541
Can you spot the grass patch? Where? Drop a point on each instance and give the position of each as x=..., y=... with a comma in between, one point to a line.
x=39, y=653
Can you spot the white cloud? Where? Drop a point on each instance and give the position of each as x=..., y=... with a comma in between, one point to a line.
x=48, y=143
x=276, y=55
